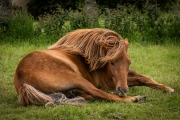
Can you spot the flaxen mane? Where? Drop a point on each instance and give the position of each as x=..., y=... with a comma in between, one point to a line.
x=98, y=46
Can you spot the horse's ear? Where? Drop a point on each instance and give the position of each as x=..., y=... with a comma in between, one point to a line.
x=126, y=43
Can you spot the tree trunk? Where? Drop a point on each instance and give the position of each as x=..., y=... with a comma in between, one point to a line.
x=5, y=7
x=91, y=8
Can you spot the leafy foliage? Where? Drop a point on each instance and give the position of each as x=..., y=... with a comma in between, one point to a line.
x=51, y=24
x=81, y=20
x=148, y=26
x=20, y=25
x=62, y=21
x=39, y=7
x=5, y=9
x=164, y=5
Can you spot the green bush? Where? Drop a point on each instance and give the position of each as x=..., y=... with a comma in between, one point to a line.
x=39, y=7
x=51, y=24
x=174, y=26
x=20, y=25
x=121, y=20
x=81, y=20
x=5, y=10
x=60, y=22
x=148, y=26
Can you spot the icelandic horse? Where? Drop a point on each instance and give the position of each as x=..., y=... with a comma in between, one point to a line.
x=84, y=63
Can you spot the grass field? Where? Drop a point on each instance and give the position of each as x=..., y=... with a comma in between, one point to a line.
x=162, y=63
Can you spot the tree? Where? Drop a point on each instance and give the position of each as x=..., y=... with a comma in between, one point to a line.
x=162, y=4
x=38, y=7
x=91, y=8
x=5, y=6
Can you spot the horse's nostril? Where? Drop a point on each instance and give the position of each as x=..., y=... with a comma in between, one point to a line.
x=119, y=88
x=124, y=90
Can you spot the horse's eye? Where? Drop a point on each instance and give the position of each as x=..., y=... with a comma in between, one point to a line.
x=112, y=63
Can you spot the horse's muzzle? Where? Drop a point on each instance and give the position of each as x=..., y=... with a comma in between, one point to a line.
x=121, y=91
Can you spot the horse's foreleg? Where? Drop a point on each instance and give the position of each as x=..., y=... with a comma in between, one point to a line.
x=90, y=89
x=136, y=79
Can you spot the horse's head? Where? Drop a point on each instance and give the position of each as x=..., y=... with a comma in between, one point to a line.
x=119, y=70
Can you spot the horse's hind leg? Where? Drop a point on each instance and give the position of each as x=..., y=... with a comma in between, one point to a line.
x=76, y=92
x=136, y=79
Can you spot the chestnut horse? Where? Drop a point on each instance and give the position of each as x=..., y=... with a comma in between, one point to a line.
x=82, y=63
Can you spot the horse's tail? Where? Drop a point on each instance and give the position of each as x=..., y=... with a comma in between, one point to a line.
x=29, y=95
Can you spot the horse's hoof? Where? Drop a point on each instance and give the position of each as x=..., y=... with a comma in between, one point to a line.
x=170, y=90
x=138, y=98
x=142, y=98
x=173, y=92
x=49, y=104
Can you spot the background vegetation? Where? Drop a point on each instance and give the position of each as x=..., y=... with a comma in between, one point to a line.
x=147, y=25
x=38, y=7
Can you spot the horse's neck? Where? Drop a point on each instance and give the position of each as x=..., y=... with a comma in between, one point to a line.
x=103, y=79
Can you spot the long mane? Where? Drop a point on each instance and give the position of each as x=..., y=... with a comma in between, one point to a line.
x=98, y=46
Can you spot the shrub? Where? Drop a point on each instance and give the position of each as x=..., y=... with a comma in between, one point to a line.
x=62, y=21
x=5, y=10
x=52, y=24
x=151, y=25
x=20, y=25
x=173, y=28
x=148, y=26
x=79, y=20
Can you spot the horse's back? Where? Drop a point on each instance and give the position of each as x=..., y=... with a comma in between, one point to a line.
x=50, y=70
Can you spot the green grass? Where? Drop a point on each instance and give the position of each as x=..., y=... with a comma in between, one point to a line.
x=161, y=63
